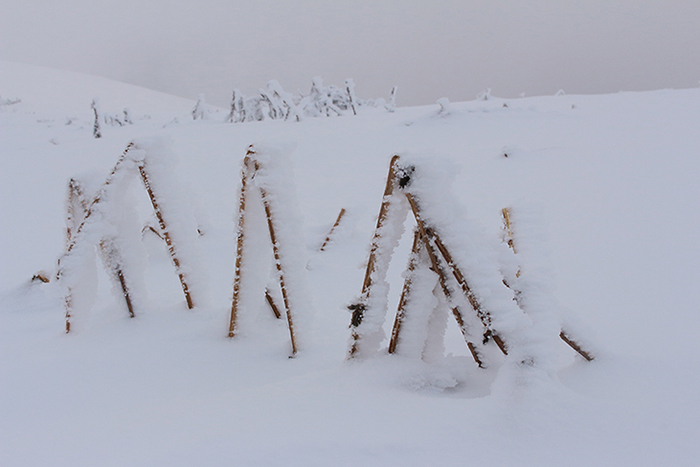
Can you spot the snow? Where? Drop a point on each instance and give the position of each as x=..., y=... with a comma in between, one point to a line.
x=604, y=198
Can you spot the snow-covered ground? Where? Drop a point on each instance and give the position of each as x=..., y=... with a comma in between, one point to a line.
x=604, y=193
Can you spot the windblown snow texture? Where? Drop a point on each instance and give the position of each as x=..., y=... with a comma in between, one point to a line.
x=602, y=191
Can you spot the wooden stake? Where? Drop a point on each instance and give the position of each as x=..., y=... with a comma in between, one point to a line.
x=114, y=268
x=272, y=304
x=77, y=206
x=166, y=234
x=330, y=233
x=75, y=236
x=358, y=309
x=250, y=168
x=398, y=320
x=98, y=197
x=509, y=236
x=278, y=264
x=125, y=291
x=565, y=337
x=429, y=236
x=41, y=276
x=245, y=173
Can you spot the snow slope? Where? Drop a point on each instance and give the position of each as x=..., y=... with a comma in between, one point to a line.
x=605, y=199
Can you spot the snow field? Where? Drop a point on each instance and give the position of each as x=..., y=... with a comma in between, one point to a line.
x=602, y=196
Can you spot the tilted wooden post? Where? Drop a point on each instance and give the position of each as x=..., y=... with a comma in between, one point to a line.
x=166, y=234
x=358, y=309
x=418, y=242
x=483, y=315
x=399, y=178
x=330, y=233
x=509, y=236
x=429, y=237
x=273, y=305
x=278, y=265
x=75, y=235
x=405, y=292
x=245, y=175
x=76, y=212
x=250, y=168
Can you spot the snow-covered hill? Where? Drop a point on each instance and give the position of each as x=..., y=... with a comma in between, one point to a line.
x=606, y=192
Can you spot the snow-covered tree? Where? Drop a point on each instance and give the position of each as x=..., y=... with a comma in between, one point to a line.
x=200, y=110
x=96, y=132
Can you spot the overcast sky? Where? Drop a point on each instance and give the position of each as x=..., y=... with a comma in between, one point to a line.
x=428, y=48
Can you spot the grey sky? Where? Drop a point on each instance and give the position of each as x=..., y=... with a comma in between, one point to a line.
x=430, y=49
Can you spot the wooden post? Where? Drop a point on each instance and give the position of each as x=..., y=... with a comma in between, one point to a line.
x=239, y=244
x=76, y=208
x=75, y=236
x=430, y=236
x=398, y=320
x=272, y=304
x=565, y=337
x=278, y=264
x=125, y=291
x=358, y=309
x=76, y=212
x=41, y=276
x=250, y=168
x=484, y=315
x=437, y=267
x=510, y=237
x=330, y=233
x=114, y=268
x=166, y=233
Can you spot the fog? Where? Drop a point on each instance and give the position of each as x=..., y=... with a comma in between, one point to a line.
x=433, y=49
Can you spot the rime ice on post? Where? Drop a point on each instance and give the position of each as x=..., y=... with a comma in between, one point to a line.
x=76, y=208
x=177, y=226
x=528, y=289
x=83, y=237
x=110, y=224
x=369, y=312
x=468, y=268
x=264, y=174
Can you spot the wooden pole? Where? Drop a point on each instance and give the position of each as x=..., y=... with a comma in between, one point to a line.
x=482, y=313
x=437, y=268
x=574, y=345
x=76, y=208
x=510, y=236
x=330, y=233
x=110, y=260
x=166, y=233
x=250, y=168
x=430, y=237
x=272, y=304
x=125, y=291
x=75, y=236
x=278, y=264
x=245, y=174
x=358, y=309
x=398, y=320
